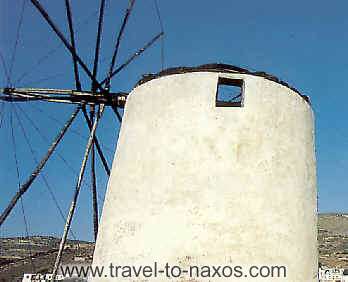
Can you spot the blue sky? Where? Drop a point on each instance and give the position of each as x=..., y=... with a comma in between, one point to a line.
x=302, y=42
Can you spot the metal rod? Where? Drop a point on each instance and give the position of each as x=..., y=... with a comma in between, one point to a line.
x=96, y=142
x=92, y=114
x=43, y=12
x=35, y=98
x=78, y=87
x=118, y=41
x=48, y=91
x=94, y=185
x=97, y=44
x=72, y=41
x=63, y=96
x=25, y=186
x=117, y=114
x=76, y=193
x=131, y=58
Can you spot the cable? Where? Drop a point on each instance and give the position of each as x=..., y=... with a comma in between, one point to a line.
x=46, y=78
x=132, y=57
x=19, y=185
x=118, y=41
x=77, y=133
x=52, y=51
x=162, y=30
x=16, y=42
x=42, y=174
x=2, y=114
x=70, y=167
x=38, y=63
x=4, y=66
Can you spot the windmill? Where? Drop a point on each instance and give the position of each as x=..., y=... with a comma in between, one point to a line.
x=90, y=101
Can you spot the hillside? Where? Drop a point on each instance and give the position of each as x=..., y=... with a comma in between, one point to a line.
x=333, y=240
x=20, y=255
x=14, y=252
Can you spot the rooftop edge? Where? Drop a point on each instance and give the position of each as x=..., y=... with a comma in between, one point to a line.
x=217, y=67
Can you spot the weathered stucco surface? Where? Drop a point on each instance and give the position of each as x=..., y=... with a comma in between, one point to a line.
x=196, y=184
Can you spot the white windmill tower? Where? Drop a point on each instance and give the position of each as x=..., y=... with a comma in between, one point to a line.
x=199, y=179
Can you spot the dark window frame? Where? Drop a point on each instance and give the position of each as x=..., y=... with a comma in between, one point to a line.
x=237, y=82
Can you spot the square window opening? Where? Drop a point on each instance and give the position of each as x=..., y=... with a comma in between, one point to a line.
x=229, y=92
